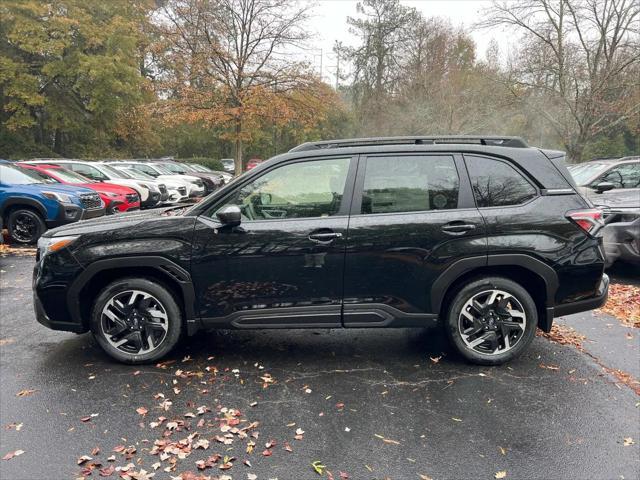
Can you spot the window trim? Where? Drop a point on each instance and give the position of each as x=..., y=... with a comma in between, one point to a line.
x=522, y=173
x=343, y=210
x=464, y=202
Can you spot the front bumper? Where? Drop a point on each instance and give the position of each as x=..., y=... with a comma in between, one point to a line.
x=152, y=200
x=52, y=276
x=67, y=213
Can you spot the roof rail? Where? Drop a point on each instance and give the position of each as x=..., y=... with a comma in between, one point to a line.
x=496, y=141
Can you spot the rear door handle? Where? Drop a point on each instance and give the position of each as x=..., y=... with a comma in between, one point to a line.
x=458, y=228
x=324, y=237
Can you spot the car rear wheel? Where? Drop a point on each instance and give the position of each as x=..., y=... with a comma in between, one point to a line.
x=25, y=226
x=136, y=320
x=491, y=321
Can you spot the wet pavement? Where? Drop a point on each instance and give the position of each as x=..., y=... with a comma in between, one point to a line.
x=373, y=404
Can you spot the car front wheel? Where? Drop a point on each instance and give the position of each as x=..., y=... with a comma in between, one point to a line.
x=25, y=226
x=136, y=320
x=491, y=321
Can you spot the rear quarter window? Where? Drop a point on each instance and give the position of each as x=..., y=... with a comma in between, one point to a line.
x=496, y=183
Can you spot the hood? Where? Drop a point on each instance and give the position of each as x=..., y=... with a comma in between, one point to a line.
x=104, y=187
x=109, y=222
x=58, y=187
x=617, y=198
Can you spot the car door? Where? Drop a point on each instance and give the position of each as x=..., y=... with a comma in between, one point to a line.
x=413, y=217
x=284, y=264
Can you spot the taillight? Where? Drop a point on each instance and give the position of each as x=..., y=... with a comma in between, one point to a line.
x=588, y=220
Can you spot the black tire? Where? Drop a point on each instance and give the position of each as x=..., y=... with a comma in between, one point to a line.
x=522, y=338
x=158, y=292
x=25, y=226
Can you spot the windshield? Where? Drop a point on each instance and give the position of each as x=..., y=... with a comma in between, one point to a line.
x=202, y=168
x=43, y=176
x=583, y=173
x=174, y=168
x=163, y=170
x=137, y=174
x=69, y=176
x=114, y=172
x=19, y=176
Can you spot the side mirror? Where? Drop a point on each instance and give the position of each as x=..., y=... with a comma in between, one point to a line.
x=230, y=215
x=604, y=187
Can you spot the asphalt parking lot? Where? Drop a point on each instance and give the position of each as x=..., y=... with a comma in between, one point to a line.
x=365, y=404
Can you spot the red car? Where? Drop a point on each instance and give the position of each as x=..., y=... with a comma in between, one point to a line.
x=116, y=198
x=253, y=163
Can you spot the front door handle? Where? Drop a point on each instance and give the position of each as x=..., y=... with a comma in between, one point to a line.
x=457, y=228
x=324, y=236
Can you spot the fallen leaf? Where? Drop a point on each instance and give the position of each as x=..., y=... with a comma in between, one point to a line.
x=10, y=455
x=435, y=359
x=456, y=419
x=142, y=410
x=628, y=442
x=500, y=474
x=503, y=451
x=318, y=467
x=424, y=477
x=26, y=392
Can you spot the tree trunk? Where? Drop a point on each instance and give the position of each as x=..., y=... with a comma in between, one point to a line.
x=238, y=158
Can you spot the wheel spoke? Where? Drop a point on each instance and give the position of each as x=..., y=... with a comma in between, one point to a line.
x=480, y=340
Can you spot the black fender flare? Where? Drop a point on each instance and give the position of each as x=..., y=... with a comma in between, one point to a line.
x=25, y=202
x=164, y=266
x=465, y=265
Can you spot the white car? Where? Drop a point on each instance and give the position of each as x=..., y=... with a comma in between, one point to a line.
x=149, y=192
x=177, y=191
x=195, y=186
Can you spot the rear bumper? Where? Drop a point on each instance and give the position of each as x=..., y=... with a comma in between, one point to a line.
x=583, y=305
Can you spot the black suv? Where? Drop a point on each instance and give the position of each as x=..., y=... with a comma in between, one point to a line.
x=486, y=235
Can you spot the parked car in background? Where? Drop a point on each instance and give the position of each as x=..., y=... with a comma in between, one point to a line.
x=195, y=186
x=485, y=235
x=212, y=181
x=116, y=198
x=229, y=165
x=176, y=191
x=223, y=177
x=30, y=204
x=614, y=185
x=149, y=192
x=253, y=163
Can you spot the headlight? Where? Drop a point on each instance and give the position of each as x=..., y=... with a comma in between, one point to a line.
x=61, y=197
x=53, y=244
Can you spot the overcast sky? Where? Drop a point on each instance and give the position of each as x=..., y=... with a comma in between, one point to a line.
x=329, y=21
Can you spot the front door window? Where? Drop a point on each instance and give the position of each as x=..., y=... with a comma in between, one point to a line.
x=299, y=190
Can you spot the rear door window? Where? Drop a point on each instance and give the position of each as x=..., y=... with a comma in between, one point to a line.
x=496, y=183
x=410, y=183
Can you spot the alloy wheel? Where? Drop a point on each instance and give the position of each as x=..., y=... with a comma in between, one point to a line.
x=134, y=322
x=492, y=322
x=24, y=228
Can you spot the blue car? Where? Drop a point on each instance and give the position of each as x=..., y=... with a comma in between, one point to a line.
x=30, y=204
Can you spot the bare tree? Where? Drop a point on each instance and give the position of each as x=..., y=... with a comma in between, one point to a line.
x=579, y=60
x=230, y=59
